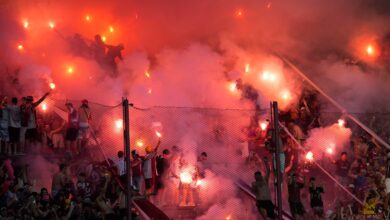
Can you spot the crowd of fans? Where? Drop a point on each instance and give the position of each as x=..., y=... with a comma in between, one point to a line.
x=96, y=189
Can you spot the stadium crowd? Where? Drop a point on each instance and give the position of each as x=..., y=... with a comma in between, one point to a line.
x=96, y=190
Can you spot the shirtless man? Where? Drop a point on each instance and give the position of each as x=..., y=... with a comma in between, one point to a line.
x=59, y=180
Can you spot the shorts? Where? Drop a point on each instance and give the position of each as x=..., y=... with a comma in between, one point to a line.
x=4, y=135
x=32, y=134
x=22, y=134
x=318, y=211
x=14, y=135
x=148, y=183
x=71, y=134
x=83, y=131
x=58, y=140
x=268, y=206
x=297, y=208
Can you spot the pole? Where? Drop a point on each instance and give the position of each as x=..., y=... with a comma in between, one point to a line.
x=277, y=157
x=126, y=137
x=341, y=108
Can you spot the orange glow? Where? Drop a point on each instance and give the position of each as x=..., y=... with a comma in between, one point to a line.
x=268, y=76
x=20, y=47
x=329, y=150
x=239, y=13
x=158, y=134
x=247, y=68
x=186, y=177
x=119, y=123
x=147, y=74
x=88, y=18
x=52, y=86
x=199, y=182
x=341, y=123
x=51, y=24
x=229, y=217
x=233, y=87
x=44, y=106
x=139, y=143
x=104, y=38
x=111, y=29
x=70, y=70
x=263, y=126
x=25, y=24
x=370, y=50
x=309, y=156
x=286, y=95
x=150, y=91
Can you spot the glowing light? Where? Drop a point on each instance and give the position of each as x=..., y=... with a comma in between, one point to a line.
x=52, y=86
x=340, y=123
x=229, y=217
x=20, y=47
x=70, y=70
x=88, y=18
x=199, y=182
x=147, y=74
x=247, y=68
x=111, y=29
x=263, y=126
x=150, y=91
x=139, y=143
x=104, y=38
x=239, y=13
x=44, y=106
x=269, y=5
x=25, y=24
x=370, y=50
x=309, y=156
x=268, y=76
x=119, y=123
x=51, y=24
x=158, y=134
x=186, y=177
x=286, y=95
x=329, y=150
x=232, y=86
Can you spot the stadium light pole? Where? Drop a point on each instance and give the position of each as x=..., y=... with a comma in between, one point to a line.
x=277, y=158
x=126, y=137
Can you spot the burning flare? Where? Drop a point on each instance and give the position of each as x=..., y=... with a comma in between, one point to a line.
x=52, y=86
x=51, y=24
x=263, y=126
x=341, y=123
x=309, y=156
x=111, y=29
x=247, y=68
x=329, y=150
x=233, y=86
x=88, y=18
x=20, y=47
x=139, y=143
x=70, y=70
x=119, y=123
x=25, y=24
x=104, y=38
x=44, y=107
x=158, y=134
x=147, y=74
x=186, y=177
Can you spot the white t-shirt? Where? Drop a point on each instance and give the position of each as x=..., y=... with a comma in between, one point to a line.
x=14, y=116
x=121, y=165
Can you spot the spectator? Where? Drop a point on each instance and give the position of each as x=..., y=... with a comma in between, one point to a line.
x=316, y=199
x=4, y=118
x=121, y=166
x=14, y=125
x=294, y=197
x=163, y=165
x=150, y=169
x=84, y=188
x=59, y=180
x=136, y=166
x=23, y=124
x=263, y=195
x=342, y=169
x=72, y=129
x=84, y=124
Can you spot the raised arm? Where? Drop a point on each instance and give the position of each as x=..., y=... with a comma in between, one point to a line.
x=41, y=99
x=158, y=145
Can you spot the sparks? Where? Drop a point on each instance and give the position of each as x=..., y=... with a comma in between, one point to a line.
x=286, y=95
x=199, y=182
x=139, y=143
x=147, y=74
x=263, y=126
x=51, y=24
x=52, y=86
x=268, y=76
x=229, y=217
x=25, y=24
x=104, y=38
x=309, y=156
x=340, y=123
x=239, y=13
x=119, y=123
x=111, y=29
x=329, y=150
x=44, y=107
x=88, y=18
x=70, y=70
x=158, y=134
x=232, y=86
x=186, y=177
x=247, y=68
x=20, y=47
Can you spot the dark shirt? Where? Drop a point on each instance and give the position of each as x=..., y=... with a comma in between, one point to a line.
x=315, y=196
x=162, y=166
x=342, y=168
x=294, y=192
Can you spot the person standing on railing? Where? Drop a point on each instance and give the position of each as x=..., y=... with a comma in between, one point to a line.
x=316, y=199
x=150, y=169
x=72, y=130
x=294, y=197
x=85, y=118
x=263, y=195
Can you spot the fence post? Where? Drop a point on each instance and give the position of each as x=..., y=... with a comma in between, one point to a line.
x=126, y=137
x=277, y=157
